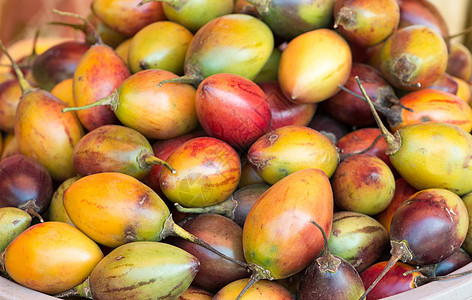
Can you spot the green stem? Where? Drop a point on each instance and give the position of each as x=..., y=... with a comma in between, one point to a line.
x=225, y=208
x=91, y=35
x=148, y=160
x=82, y=290
x=24, y=85
x=191, y=79
x=176, y=230
x=393, y=142
x=111, y=100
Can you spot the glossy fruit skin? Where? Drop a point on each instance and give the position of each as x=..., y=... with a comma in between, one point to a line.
x=316, y=283
x=156, y=112
x=366, y=23
x=235, y=43
x=249, y=176
x=363, y=183
x=467, y=245
x=112, y=148
x=353, y=111
x=194, y=293
x=208, y=172
x=233, y=109
x=114, y=209
x=460, y=61
x=50, y=142
x=125, y=17
x=10, y=146
x=361, y=139
x=143, y=269
x=289, y=149
x=247, y=196
x=263, y=289
x=23, y=179
x=435, y=105
x=285, y=112
x=357, y=238
x=441, y=217
x=289, y=19
x=422, y=12
x=13, y=221
x=221, y=233
x=10, y=93
x=162, y=149
x=159, y=45
x=194, y=14
x=57, y=63
x=457, y=260
x=405, y=61
x=394, y=282
x=56, y=210
x=427, y=147
x=39, y=265
x=281, y=218
x=99, y=72
x=64, y=91
x=302, y=83
x=403, y=191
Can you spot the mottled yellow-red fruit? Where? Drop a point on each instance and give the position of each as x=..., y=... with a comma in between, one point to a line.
x=435, y=155
x=437, y=106
x=10, y=93
x=280, y=219
x=289, y=149
x=125, y=17
x=363, y=183
x=157, y=112
x=114, y=209
x=51, y=257
x=208, y=172
x=64, y=91
x=46, y=134
x=98, y=73
x=160, y=45
x=413, y=57
x=313, y=65
x=263, y=289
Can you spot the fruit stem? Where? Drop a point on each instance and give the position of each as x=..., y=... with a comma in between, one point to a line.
x=343, y=156
x=111, y=100
x=31, y=208
x=392, y=115
x=399, y=251
x=191, y=79
x=465, y=31
x=262, y=6
x=393, y=141
x=255, y=277
x=170, y=228
x=24, y=85
x=91, y=35
x=327, y=262
x=81, y=290
x=421, y=280
x=225, y=208
x=146, y=159
x=177, y=4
